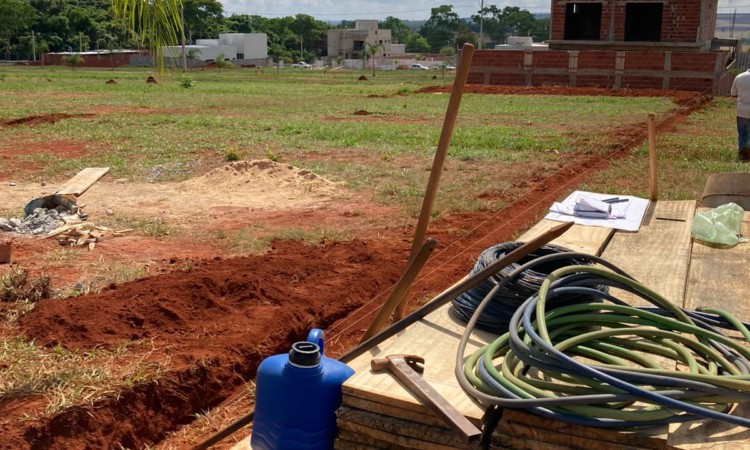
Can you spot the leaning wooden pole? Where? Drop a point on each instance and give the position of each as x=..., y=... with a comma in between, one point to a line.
x=462, y=73
x=652, y=155
x=415, y=265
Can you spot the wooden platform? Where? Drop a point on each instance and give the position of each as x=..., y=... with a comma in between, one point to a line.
x=378, y=413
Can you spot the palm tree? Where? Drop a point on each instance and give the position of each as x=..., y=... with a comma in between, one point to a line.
x=372, y=50
x=155, y=21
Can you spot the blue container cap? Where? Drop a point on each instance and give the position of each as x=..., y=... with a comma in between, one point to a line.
x=305, y=354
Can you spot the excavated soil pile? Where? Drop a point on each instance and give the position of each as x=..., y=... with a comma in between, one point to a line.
x=215, y=323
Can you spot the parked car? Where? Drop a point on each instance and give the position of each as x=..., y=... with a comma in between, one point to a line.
x=301, y=65
x=450, y=67
x=418, y=67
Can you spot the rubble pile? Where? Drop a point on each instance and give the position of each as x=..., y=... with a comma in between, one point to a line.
x=41, y=221
x=87, y=234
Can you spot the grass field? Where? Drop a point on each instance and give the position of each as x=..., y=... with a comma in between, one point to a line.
x=376, y=136
x=163, y=132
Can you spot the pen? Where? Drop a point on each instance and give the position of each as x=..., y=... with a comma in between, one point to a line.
x=615, y=200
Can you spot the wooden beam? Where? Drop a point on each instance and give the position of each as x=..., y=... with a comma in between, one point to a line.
x=82, y=181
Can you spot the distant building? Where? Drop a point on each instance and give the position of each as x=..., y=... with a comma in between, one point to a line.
x=240, y=47
x=667, y=44
x=349, y=43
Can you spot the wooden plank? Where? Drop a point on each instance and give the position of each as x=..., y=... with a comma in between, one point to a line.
x=578, y=238
x=377, y=427
x=711, y=434
x=658, y=254
x=82, y=181
x=718, y=278
x=416, y=413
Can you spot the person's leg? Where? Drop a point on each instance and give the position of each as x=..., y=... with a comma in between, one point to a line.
x=742, y=132
x=743, y=138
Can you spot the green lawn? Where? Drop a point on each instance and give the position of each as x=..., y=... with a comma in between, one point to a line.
x=164, y=132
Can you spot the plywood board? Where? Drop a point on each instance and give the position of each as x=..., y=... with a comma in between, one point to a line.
x=658, y=254
x=718, y=278
x=578, y=238
x=436, y=339
x=82, y=181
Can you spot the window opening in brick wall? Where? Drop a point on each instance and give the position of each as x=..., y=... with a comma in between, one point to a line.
x=583, y=21
x=643, y=22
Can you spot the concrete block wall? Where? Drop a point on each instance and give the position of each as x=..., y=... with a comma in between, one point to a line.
x=691, y=71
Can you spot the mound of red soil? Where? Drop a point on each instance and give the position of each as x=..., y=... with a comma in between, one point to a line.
x=110, y=81
x=361, y=112
x=151, y=80
x=362, y=78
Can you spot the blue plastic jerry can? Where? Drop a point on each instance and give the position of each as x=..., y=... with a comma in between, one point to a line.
x=297, y=395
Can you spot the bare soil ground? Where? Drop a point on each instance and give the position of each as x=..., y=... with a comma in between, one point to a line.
x=213, y=320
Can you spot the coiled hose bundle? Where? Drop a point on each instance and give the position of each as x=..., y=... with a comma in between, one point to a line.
x=496, y=315
x=606, y=363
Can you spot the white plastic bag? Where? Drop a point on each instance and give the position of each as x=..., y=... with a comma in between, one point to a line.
x=721, y=225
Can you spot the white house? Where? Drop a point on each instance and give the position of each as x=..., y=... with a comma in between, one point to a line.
x=234, y=46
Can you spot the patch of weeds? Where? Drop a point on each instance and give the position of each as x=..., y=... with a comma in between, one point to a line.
x=232, y=154
x=19, y=285
x=273, y=156
x=105, y=274
x=313, y=236
x=242, y=242
x=154, y=227
x=62, y=255
x=186, y=81
x=71, y=378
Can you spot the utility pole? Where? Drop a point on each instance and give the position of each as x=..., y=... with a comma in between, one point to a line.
x=481, y=21
x=734, y=17
x=33, y=45
x=184, y=55
x=80, y=42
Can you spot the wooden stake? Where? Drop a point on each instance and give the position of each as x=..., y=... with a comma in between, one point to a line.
x=415, y=265
x=652, y=154
x=437, y=165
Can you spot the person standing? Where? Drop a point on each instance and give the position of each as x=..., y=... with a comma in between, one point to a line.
x=741, y=90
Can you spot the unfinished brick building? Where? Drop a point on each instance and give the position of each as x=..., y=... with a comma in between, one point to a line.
x=664, y=44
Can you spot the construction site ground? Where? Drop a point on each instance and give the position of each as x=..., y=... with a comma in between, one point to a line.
x=206, y=318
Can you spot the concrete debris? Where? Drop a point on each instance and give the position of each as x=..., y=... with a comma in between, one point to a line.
x=40, y=221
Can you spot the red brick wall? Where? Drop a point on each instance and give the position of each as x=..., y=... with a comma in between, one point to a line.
x=703, y=62
x=551, y=59
x=596, y=59
x=693, y=71
x=682, y=20
x=101, y=60
x=636, y=60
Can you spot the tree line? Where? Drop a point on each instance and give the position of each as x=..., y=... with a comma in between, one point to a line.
x=29, y=28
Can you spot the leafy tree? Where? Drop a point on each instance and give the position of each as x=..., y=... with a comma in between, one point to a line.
x=15, y=16
x=222, y=63
x=73, y=60
x=417, y=44
x=202, y=18
x=465, y=35
x=399, y=30
x=441, y=28
x=511, y=20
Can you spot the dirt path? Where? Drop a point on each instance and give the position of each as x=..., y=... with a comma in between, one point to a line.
x=216, y=319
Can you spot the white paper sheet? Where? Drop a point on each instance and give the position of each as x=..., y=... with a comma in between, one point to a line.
x=627, y=211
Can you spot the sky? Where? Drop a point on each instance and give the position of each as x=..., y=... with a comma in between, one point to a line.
x=331, y=10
